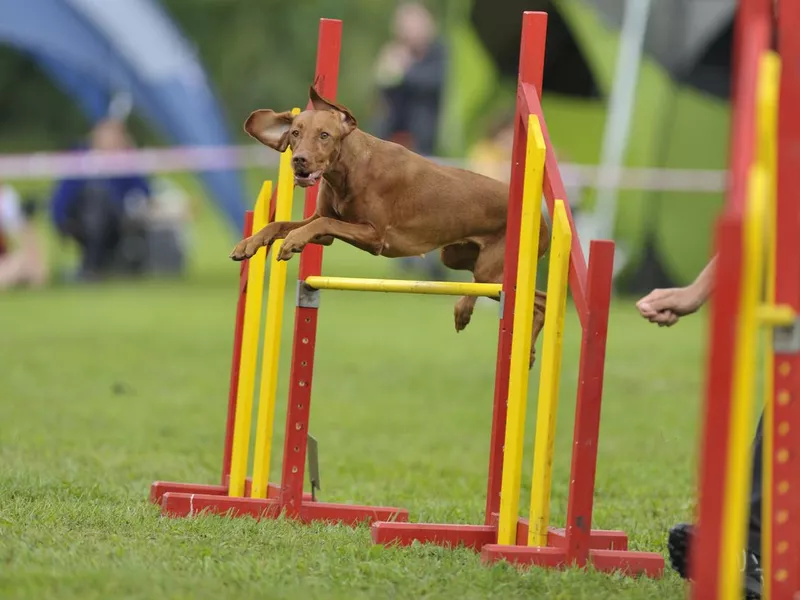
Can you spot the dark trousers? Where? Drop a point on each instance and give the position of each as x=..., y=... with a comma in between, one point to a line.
x=95, y=222
x=754, y=529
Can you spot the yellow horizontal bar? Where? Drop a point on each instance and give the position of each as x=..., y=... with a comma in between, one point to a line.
x=402, y=286
x=776, y=316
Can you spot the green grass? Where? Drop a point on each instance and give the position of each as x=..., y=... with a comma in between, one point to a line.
x=105, y=388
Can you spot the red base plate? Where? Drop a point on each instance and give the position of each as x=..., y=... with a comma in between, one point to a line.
x=609, y=549
x=478, y=536
x=177, y=504
x=633, y=564
x=159, y=488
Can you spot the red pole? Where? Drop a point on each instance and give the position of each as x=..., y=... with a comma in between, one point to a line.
x=752, y=38
x=588, y=404
x=707, y=541
x=785, y=522
x=305, y=324
x=531, y=69
x=752, y=32
x=237, y=355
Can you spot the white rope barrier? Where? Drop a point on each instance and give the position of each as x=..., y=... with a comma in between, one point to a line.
x=57, y=165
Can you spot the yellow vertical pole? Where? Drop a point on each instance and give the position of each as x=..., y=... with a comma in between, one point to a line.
x=272, y=334
x=247, y=371
x=555, y=311
x=767, y=136
x=523, y=323
x=737, y=479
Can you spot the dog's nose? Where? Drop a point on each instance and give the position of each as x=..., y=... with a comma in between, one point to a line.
x=299, y=161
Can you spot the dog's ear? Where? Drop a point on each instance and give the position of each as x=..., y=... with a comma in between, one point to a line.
x=319, y=103
x=270, y=128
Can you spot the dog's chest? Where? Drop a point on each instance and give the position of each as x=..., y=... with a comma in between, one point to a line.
x=350, y=209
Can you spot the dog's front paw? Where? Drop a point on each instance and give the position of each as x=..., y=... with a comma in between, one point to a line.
x=289, y=248
x=246, y=248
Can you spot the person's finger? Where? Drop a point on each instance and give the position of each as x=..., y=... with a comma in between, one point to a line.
x=669, y=319
x=657, y=302
x=662, y=317
x=645, y=301
x=649, y=305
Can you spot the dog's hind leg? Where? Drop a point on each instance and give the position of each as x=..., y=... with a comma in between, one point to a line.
x=487, y=268
x=462, y=257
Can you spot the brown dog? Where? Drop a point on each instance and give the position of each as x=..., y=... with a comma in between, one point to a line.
x=386, y=200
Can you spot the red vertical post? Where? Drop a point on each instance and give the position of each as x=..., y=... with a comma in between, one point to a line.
x=305, y=325
x=752, y=31
x=752, y=37
x=531, y=70
x=237, y=355
x=273, y=204
x=785, y=521
x=707, y=541
x=589, y=401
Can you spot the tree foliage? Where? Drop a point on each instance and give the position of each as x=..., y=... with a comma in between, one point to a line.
x=257, y=55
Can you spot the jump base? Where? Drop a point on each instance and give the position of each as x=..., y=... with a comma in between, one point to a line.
x=159, y=488
x=609, y=548
x=176, y=504
x=628, y=563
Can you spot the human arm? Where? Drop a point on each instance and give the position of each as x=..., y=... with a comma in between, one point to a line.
x=666, y=306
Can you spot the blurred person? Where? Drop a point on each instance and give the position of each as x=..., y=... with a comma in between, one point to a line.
x=410, y=76
x=491, y=156
x=94, y=211
x=21, y=249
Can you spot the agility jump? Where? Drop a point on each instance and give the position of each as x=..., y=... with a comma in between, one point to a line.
x=757, y=288
x=502, y=535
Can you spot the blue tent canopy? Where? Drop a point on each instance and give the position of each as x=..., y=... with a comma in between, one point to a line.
x=95, y=48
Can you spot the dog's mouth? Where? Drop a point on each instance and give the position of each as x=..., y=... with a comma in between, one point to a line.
x=306, y=179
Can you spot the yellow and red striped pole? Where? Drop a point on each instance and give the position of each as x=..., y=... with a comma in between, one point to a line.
x=247, y=371
x=523, y=324
x=276, y=292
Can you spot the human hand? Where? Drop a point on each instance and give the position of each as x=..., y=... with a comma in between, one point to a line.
x=392, y=64
x=666, y=306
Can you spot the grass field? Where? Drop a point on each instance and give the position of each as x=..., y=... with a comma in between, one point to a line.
x=106, y=388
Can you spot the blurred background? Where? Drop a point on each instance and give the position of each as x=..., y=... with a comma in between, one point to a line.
x=636, y=97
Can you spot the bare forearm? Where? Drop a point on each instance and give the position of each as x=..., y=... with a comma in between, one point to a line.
x=703, y=286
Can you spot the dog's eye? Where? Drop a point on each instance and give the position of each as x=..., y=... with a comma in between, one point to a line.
x=324, y=135
x=295, y=133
